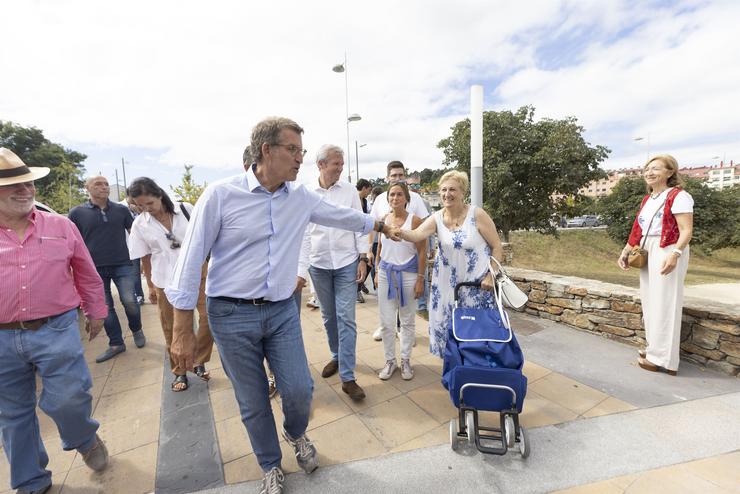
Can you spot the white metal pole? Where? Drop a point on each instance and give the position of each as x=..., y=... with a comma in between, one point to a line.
x=346, y=116
x=476, y=145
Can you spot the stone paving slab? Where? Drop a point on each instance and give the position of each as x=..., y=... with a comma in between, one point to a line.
x=562, y=455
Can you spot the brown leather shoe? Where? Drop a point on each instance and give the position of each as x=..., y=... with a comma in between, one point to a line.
x=649, y=366
x=330, y=369
x=353, y=390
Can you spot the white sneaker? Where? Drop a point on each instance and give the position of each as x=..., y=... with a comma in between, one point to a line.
x=378, y=334
x=407, y=373
x=313, y=303
x=272, y=482
x=388, y=370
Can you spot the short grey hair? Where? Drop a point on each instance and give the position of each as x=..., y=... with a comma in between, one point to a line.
x=326, y=150
x=247, y=155
x=268, y=132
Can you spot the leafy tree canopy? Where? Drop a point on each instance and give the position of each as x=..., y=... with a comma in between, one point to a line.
x=63, y=187
x=188, y=190
x=526, y=164
x=716, y=213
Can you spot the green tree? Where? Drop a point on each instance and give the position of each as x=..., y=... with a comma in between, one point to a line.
x=716, y=213
x=64, y=185
x=525, y=165
x=188, y=190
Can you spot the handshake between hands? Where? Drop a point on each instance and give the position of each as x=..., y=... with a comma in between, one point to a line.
x=393, y=232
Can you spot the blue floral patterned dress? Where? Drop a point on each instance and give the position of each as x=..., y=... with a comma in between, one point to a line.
x=462, y=255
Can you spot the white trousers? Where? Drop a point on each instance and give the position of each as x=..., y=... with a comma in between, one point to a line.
x=662, y=304
x=407, y=315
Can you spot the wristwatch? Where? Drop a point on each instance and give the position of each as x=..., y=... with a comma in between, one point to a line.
x=381, y=225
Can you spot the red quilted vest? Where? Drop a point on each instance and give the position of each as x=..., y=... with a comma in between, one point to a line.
x=669, y=232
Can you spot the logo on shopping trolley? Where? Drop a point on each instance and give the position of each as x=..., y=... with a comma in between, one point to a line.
x=467, y=318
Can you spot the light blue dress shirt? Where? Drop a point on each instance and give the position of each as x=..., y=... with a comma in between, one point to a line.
x=254, y=237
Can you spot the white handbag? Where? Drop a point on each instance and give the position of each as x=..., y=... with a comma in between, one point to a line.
x=510, y=292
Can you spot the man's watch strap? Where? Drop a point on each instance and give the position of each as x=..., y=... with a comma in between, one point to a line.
x=381, y=225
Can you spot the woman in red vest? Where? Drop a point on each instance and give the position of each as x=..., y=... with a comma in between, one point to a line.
x=664, y=224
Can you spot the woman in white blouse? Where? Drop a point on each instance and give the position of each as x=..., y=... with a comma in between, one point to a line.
x=663, y=227
x=156, y=236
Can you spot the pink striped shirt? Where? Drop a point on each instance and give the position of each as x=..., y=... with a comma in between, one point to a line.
x=48, y=273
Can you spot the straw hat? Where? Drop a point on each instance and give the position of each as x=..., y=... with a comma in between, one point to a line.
x=14, y=171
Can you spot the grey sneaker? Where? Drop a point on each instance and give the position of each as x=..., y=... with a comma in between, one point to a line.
x=388, y=370
x=96, y=457
x=43, y=490
x=272, y=482
x=110, y=352
x=378, y=334
x=139, y=338
x=360, y=298
x=305, y=452
x=407, y=373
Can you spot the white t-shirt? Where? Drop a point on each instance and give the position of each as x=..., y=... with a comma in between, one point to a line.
x=683, y=203
x=148, y=236
x=415, y=206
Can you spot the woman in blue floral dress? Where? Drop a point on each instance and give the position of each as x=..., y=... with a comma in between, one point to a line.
x=466, y=238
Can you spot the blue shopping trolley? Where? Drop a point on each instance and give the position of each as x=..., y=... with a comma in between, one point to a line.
x=483, y=372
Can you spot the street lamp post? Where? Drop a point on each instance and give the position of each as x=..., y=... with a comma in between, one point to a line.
x=357, y=159
x=648, y=144
x=339, y=68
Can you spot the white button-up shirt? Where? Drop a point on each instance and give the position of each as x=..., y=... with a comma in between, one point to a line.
x=332, y=248
x=254, y=237
x=148, y=236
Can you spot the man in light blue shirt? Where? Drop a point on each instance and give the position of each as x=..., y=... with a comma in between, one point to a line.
x=253, y=225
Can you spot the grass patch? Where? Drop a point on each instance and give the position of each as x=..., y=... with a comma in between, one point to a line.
x=592, y=254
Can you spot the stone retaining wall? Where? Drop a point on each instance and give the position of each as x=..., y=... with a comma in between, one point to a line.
x=710, y=332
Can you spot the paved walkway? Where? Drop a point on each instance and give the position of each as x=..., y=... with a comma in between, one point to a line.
x=593, y=417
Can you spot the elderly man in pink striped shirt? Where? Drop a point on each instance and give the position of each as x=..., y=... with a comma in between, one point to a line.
x=45, y=274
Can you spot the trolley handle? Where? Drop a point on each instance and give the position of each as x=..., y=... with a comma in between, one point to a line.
x=473, y=284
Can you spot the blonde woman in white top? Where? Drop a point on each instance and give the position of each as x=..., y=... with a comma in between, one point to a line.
x=155, y=238
x=400, y=268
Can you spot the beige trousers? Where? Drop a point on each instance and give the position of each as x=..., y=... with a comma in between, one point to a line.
x=203, y=339
x=662, y=304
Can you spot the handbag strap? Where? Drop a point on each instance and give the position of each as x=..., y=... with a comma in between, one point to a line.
x=644, y=238
x=498, y=293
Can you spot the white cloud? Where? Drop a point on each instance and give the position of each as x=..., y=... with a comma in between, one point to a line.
x=192, y=80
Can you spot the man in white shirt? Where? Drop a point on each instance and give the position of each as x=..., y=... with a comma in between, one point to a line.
x=336, y=266
x=396, y=173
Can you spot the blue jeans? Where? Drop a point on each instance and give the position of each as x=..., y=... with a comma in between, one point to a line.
x=55, y=351
x=247, y=334
x=124, y=278
x=337, y=293
x=138, y=289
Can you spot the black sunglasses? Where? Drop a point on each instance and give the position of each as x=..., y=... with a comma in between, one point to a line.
x=174, y=243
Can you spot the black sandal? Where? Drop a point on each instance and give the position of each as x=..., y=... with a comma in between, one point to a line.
x=201, y=372
x=180, y=380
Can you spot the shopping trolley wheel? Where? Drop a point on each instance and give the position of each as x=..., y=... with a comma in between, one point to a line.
x=470, y=426
x=509, y=431
x=523, y=442
x=454, y=441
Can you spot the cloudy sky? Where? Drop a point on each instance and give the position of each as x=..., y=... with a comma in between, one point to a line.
x=166, y=83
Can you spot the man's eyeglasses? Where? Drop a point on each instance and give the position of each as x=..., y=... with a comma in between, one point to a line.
x=174, y=243
x=293, y=149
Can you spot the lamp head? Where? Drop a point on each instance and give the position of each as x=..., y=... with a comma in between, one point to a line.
x=339, y=68
x=354, y=118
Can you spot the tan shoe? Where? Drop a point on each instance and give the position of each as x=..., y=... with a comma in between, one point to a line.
x=353, y=390
x=96, y=457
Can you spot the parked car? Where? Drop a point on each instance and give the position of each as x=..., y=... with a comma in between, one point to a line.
x=43, y=207
x=588, y=220
x=577, y=222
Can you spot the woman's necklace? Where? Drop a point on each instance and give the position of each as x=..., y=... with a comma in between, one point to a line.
x=165, y=220
x=458, y=220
